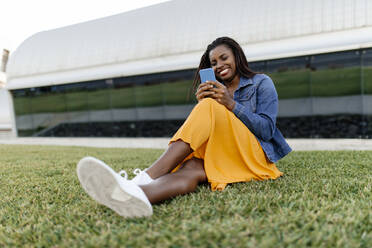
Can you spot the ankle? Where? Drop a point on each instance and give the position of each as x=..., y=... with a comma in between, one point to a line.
x=149, y=174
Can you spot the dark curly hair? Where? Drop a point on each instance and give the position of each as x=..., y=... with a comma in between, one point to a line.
x=241, y=62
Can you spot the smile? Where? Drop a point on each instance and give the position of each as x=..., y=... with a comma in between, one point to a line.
x=224, y=72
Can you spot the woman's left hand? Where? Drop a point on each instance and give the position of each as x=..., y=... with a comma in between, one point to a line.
x=222, y=95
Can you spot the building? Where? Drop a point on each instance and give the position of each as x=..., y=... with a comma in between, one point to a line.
x=130, y=74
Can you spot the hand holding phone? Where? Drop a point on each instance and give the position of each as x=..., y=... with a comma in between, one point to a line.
x=221, y=95
x=204, y=90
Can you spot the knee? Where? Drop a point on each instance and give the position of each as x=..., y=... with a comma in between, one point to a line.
x=208, y=101
x=210, y=104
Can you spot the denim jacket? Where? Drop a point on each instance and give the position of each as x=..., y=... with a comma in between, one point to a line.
x=257, y=107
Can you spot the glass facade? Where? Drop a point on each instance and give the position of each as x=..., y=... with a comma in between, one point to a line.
x=321, y=96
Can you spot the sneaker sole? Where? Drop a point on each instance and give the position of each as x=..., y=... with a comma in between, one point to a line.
x=100, y=182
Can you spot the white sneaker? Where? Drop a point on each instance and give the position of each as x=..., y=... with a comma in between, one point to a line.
x=141, y=178
x=108, y=188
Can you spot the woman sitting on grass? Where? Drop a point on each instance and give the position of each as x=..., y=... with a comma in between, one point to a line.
x=230, y=136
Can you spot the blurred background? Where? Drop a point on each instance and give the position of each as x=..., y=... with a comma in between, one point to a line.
x=129, y=74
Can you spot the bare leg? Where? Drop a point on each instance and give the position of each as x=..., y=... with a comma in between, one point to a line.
x=179, y=150
x=183, y=181
x=173, y=156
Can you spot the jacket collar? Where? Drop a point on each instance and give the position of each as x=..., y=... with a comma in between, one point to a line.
x=244, y=82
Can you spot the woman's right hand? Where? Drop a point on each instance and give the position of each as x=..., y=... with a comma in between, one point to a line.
x=204, y=90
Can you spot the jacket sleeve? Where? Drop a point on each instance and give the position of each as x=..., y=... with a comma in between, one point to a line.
x=262, y=123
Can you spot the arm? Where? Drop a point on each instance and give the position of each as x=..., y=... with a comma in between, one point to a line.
x=263, y=122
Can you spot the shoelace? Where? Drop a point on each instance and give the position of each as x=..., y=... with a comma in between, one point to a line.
x=123, y=172
x=137, y=171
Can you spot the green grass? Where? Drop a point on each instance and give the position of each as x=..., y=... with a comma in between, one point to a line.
x=324, y=200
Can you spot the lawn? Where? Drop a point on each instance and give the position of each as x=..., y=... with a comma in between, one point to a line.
x=323, y=200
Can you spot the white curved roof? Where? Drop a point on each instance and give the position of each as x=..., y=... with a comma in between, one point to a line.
x=173, y=35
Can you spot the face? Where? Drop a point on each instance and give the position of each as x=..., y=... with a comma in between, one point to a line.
x=223, y=63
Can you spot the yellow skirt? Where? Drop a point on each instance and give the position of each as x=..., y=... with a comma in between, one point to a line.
x=231, y=153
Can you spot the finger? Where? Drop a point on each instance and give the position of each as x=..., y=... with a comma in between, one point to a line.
x=208, y=86
x=218, y=97
x=200, y=90
x=203, y=88
x=203, y=94
x=214, y=96
x=217, y=84
x=217, y=90
x=207, y=93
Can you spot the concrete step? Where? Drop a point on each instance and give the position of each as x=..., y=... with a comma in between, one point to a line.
x=4, y=134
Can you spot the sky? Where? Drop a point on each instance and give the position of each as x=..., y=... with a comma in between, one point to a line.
x=19, y=19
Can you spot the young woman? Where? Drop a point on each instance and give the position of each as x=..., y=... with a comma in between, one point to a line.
x=230, y=136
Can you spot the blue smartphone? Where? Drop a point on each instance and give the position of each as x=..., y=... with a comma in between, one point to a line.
x=207, y=75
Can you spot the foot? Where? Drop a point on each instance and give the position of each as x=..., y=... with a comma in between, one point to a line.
x=110, y=189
